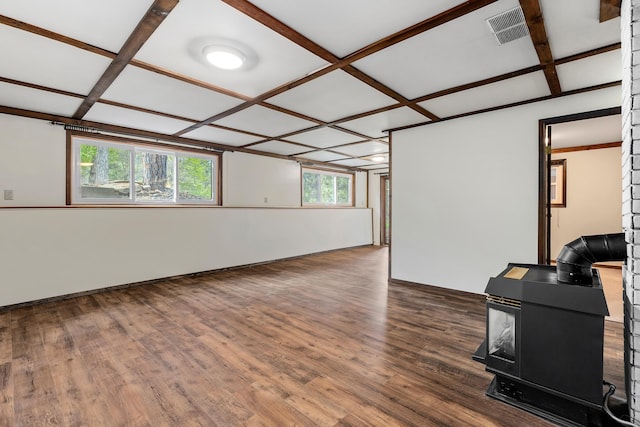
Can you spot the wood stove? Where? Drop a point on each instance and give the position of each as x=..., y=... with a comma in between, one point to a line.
x=545, y=334
x=544, y=344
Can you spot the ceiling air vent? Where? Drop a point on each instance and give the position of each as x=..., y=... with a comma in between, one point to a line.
x=508, y=26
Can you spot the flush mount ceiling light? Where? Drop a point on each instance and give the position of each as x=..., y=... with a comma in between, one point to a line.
x=377, y=158
x=224, y=57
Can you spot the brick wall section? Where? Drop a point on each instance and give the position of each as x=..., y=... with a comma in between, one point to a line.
x=630, y=38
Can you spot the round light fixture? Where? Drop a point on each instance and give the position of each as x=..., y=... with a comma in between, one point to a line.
x=225, y=57
x=377, y=158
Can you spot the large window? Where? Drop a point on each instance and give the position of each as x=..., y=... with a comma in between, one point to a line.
x=112, y=172
x=326, y=188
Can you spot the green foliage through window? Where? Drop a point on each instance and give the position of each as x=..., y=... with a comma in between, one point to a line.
x=107, y=171
x=326, y=188
x=194, y=178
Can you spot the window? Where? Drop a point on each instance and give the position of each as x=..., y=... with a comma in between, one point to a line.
x=558, y=183
x=326, y=188
x=112, y=172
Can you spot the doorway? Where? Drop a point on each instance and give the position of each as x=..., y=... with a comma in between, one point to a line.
x=566, y=133
x=581, y=188
x=385, y=214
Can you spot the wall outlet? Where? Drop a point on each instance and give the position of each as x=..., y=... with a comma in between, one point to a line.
x=8, y=194
x=266, y=200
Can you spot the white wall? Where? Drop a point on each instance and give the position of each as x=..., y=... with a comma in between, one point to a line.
x=47, y=249
x=32, y=162
x=259, y=181
x=594, y=197
x=51, y=252
x=465, y=193
x=361, y=190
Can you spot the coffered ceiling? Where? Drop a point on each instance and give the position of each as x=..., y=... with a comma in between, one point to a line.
x=323, y=81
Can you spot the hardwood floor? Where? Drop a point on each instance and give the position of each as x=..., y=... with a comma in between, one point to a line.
x=612, y=284
x=320, y=340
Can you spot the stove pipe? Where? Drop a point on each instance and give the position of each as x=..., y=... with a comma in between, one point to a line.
x=575, y=259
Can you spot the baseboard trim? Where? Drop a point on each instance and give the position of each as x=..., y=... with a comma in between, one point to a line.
x=437, y=289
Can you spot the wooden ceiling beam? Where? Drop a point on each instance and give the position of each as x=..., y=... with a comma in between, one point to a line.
x=535, y=23
x=54, y=36
x=609, y=9
x=517, y=104
x=147, y=25
x=419, y=28
x=281, y=28
x=40, y=87
x=592, y=52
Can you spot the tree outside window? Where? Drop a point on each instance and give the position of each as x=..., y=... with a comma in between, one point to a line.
x=326, y=188
x=107, y=172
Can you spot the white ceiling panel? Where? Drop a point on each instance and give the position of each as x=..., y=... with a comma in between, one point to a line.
x=375, y=125
x=363, y=149
x=109, y=114
x=321, y=156
x=279, y=147
x=37, y=100
x=573, y=26
x=221, y=136
x=142, y=88
x=343, y=27
x=333, y=96
x=528, y=86
x=55, y=65
x=265, y=121
x=603, y=68
x=194, y=24
x=323, y=138
x=450, y=55
x=600, y=130
x=106, y=25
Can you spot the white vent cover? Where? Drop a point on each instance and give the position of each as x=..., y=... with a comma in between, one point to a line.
x=508, y=26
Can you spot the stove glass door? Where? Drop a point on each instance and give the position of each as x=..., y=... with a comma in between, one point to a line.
x=502, y=334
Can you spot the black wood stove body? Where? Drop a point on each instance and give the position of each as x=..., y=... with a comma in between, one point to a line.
x=544, y=344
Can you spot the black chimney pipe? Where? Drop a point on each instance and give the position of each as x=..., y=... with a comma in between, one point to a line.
x=575, y=259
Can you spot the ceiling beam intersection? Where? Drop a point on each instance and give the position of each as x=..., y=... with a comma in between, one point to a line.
x=147, y=25
x=335, y=62
x=108, y=54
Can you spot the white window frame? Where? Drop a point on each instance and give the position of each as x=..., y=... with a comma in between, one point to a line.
x=334, y=174
x=75, y=185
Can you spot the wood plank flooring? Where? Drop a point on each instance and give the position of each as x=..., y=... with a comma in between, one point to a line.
x=612, y=285
x=320, y=340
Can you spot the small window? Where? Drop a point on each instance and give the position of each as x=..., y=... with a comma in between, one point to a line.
x=112, y=172
x=326, y=188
